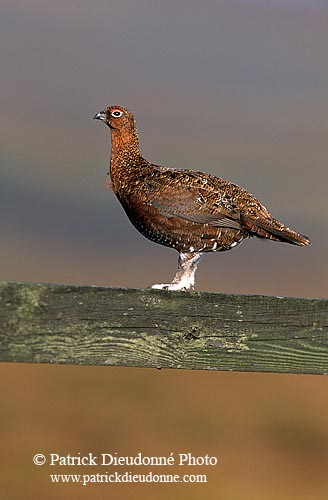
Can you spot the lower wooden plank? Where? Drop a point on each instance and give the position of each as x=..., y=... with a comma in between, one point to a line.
x=47, y=323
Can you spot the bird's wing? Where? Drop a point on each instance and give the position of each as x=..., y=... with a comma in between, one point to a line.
x=174, y=208
x=187, y=196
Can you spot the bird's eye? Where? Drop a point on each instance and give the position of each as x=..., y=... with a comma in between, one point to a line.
x=116, y=113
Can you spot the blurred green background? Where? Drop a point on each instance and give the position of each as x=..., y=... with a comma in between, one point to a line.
x=236, y=88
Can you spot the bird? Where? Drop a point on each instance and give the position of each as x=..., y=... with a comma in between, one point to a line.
x=191, y=211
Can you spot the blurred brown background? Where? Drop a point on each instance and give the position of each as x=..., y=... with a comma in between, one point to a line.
x=236, y=88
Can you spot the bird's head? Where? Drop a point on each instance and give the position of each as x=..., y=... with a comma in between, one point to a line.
x=117, y=118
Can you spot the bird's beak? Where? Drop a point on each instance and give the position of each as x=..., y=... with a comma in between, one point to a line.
x=100, y=116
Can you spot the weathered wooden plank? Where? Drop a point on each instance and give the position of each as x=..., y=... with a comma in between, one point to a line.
x=46, y=323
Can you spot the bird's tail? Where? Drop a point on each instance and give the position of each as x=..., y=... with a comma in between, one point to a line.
x=274, y=230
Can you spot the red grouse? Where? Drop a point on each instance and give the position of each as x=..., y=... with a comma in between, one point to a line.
x=190, y=211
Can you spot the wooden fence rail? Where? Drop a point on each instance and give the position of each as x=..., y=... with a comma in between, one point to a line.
x=47, y=323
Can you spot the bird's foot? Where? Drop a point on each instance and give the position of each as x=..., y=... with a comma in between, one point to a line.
x=171, y=286
x=185, y=276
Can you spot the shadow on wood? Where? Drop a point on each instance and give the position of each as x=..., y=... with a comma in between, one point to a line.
x=47, y=323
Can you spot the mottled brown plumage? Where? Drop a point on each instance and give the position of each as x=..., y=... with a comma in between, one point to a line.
x=190, y=211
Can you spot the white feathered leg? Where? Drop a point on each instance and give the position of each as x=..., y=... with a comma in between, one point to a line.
x=185, y=275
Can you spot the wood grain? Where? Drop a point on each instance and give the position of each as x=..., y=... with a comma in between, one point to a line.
x=47, y=323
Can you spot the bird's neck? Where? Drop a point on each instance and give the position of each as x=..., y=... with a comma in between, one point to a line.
x=125, y=155
x=124, y=142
